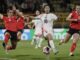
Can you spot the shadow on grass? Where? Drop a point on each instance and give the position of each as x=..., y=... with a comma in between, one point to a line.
x=67, y=58
x=28, y=57
x=37, y=57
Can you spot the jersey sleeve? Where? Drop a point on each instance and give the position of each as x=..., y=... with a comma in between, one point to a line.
x=54, y=17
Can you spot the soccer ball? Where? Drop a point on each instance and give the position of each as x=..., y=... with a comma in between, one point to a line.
x=46, y=50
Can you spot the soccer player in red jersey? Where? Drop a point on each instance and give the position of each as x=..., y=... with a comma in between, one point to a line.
x=20, y=25
x=20, y=22
x=11, y=30
x=74, y=28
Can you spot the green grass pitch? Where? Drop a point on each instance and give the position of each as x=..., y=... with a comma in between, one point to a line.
x=25, y=51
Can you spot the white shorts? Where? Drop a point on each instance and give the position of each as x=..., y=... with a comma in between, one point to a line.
x=47, y=30
x=38, y=31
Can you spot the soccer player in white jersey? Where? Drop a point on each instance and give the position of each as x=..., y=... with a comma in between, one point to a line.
x=48, y=19
x=37, y=38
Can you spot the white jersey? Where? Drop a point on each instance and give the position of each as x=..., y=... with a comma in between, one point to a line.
x=38, y=25
x=48, y=20
x=37, y=22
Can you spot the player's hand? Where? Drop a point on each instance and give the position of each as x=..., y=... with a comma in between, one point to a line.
x=14, y=8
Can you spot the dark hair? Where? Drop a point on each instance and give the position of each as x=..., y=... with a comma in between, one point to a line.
x=44, y=7
x=75, y=6
x=38, y=10
x=10, y=7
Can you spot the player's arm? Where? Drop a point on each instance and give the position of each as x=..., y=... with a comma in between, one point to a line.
x=28, y=24
x=1, y=16
x=32, y=17
x=54, y=17
x=33, y=26
x=70, y=19
x=19, y=13
x=32, y=23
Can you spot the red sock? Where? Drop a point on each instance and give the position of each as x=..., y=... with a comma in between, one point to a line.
x=73, y=47
x=6, y=38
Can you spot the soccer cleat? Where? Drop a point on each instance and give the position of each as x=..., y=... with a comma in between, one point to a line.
x=71, y=54
x=5, y=47
x=56, y=52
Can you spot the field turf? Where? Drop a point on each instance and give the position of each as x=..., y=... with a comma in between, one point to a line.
x=25, y=51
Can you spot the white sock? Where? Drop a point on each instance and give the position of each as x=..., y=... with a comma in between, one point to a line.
x=40, y=42
x=52, y=45
x=37, y=41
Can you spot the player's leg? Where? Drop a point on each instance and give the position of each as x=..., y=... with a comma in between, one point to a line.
x=51, y=43
x=48, y=33
x=19, y=33
x=33, y=40
x=73, y=46
x=13, y=45
x=40, y=38
x=6, y=39
x=37, y=37
x=67, y=37
x=37, y=41
x=13, y=41
x=40, y=41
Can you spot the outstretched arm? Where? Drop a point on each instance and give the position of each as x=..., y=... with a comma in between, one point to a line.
x=1, y=16
x=70, y=19
x=19, y=13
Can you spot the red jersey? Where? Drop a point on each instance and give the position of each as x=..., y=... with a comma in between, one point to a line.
x=10, y=23
x=20, y=23
x=75, y=24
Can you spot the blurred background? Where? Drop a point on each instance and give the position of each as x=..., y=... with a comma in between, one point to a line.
x=60, y=7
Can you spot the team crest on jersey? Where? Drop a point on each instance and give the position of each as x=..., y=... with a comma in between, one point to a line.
x=45, y=21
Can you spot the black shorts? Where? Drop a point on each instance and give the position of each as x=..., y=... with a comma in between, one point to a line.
x=72, y=31
x=13, y=35
x=20, y=31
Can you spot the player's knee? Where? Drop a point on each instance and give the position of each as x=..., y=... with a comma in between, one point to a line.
x=49, y=37
x=19, y=33
x=75, y=40
x=7, y=34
